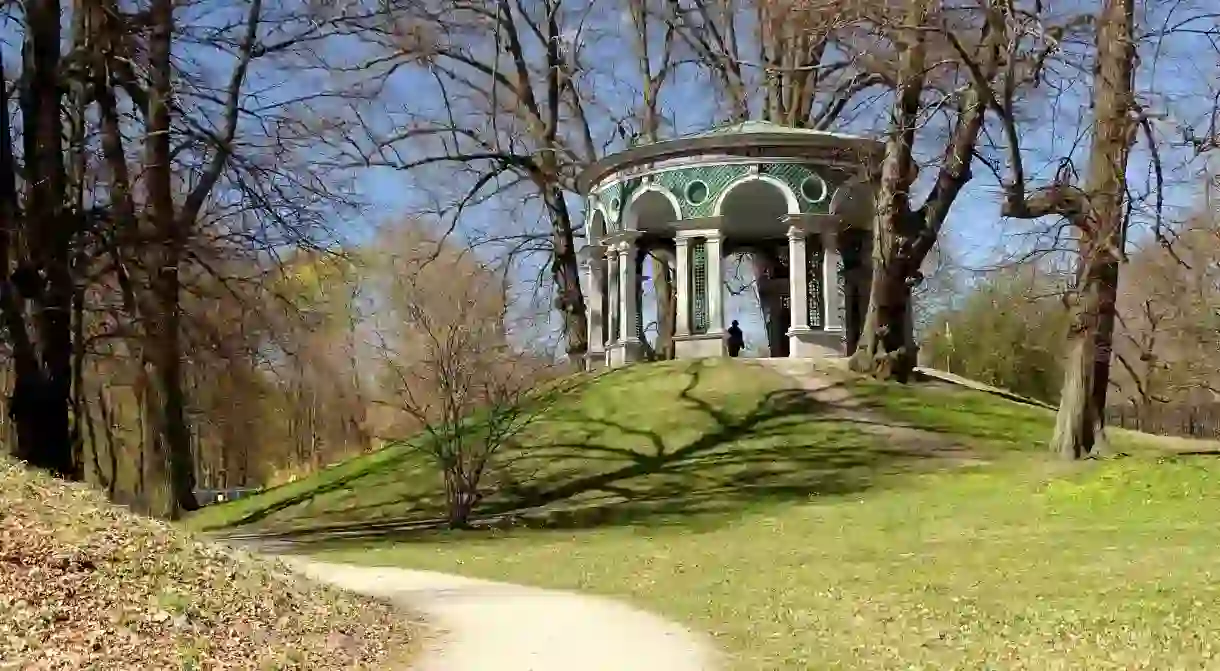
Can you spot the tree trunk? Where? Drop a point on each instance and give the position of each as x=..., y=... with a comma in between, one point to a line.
x=885, y=348
x=771, y=303
x=1079, y=417
x=41, y=401
x=170, y=464
x=459, y=500
x=667, y=301
x=565, y=273
x=1102, y=224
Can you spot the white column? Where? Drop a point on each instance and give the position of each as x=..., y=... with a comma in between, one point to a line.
x=613, y=299
x=832, y=294
x=798, y=280
x=594, y=300
x=715, y=284
x=627, y=278
x=682, y=273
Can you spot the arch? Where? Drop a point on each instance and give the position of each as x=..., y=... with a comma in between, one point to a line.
x=648, y=205
x=790, y=200
x=653, y=188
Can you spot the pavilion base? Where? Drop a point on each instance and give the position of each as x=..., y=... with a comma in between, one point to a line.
x=623, y=353
x=595, y=360
x=699, y=346
x=811, y=344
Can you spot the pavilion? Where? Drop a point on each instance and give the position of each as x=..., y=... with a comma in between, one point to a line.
x=803, y=195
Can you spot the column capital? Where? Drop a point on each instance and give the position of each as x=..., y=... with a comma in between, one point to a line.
x=682, y=240
x=591, y=252
x=797, y=233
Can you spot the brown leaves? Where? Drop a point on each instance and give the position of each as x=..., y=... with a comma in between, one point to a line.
x=84, y=584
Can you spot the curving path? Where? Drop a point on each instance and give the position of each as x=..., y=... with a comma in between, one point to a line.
x=490, y=625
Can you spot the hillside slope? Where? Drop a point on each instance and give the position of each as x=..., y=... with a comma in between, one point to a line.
x=84, y=584
x=672, y=438
x=805, y=518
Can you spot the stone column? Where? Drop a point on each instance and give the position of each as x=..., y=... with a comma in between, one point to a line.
x=715, y=283
x=627, y=278
x=832, y=286
x=595, y=302
x=682, y=281
x=613, y=299
x=798, y=281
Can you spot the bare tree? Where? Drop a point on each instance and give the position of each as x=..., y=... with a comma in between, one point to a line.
x=1168, y=327
x=1095, y=209
x=790, y=62
x=510, y=114
x=925, y=37
x=36, y=250
x=448, y=364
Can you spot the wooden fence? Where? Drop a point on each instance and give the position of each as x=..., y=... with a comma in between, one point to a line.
x=1188, y=421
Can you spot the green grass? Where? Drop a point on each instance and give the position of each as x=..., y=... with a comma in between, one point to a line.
x=645, y=443
x=1110, y=567
x=802, y=539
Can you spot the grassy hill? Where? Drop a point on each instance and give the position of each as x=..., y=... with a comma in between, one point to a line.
x=87, y=585
x=811, y=519
x=675, y=437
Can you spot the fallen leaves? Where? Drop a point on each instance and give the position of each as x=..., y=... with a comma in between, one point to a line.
x=86, y=584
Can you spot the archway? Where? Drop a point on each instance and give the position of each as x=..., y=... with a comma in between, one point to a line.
x=752, y=211
x=652, y=211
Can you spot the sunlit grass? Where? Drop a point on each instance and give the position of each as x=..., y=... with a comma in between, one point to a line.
x=801, y=537
x=1108, y=565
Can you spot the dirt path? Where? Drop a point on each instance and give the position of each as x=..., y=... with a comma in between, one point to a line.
x=822, y=380
x=489, y=625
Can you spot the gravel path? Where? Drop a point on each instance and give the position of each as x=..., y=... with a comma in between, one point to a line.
x=489, y=625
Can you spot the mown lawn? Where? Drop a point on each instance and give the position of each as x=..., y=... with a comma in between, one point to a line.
x=1113, y=566
x=646, y=442
x=801, y=537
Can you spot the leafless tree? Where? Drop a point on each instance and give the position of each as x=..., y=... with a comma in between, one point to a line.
x=791, y=62
x=447, y=362
x=510, y=115
x=1096, y=208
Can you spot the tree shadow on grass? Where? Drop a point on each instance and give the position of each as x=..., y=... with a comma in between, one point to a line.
x=719, y=454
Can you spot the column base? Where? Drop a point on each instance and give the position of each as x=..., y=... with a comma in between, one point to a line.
x=806, y=343
x=595, y=360
x=699, y=346
x=623, y=353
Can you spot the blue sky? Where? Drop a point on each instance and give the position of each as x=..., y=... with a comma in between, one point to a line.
x=1173, y=77
x=1176, y=76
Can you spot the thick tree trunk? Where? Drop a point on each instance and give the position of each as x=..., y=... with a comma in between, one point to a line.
x=168, y=439
x=1102, y=222
x=775, y=315
x=1078, y=423
x=667, y=301
x=42, y=396
x=565, y=273
x=885, y=348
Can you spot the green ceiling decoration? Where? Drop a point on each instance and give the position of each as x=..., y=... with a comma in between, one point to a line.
x=698, y=188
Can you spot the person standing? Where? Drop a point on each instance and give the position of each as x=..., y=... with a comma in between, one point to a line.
x=737, y=341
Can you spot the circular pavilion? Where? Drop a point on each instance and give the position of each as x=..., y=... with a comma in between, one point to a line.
x=803, y=195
